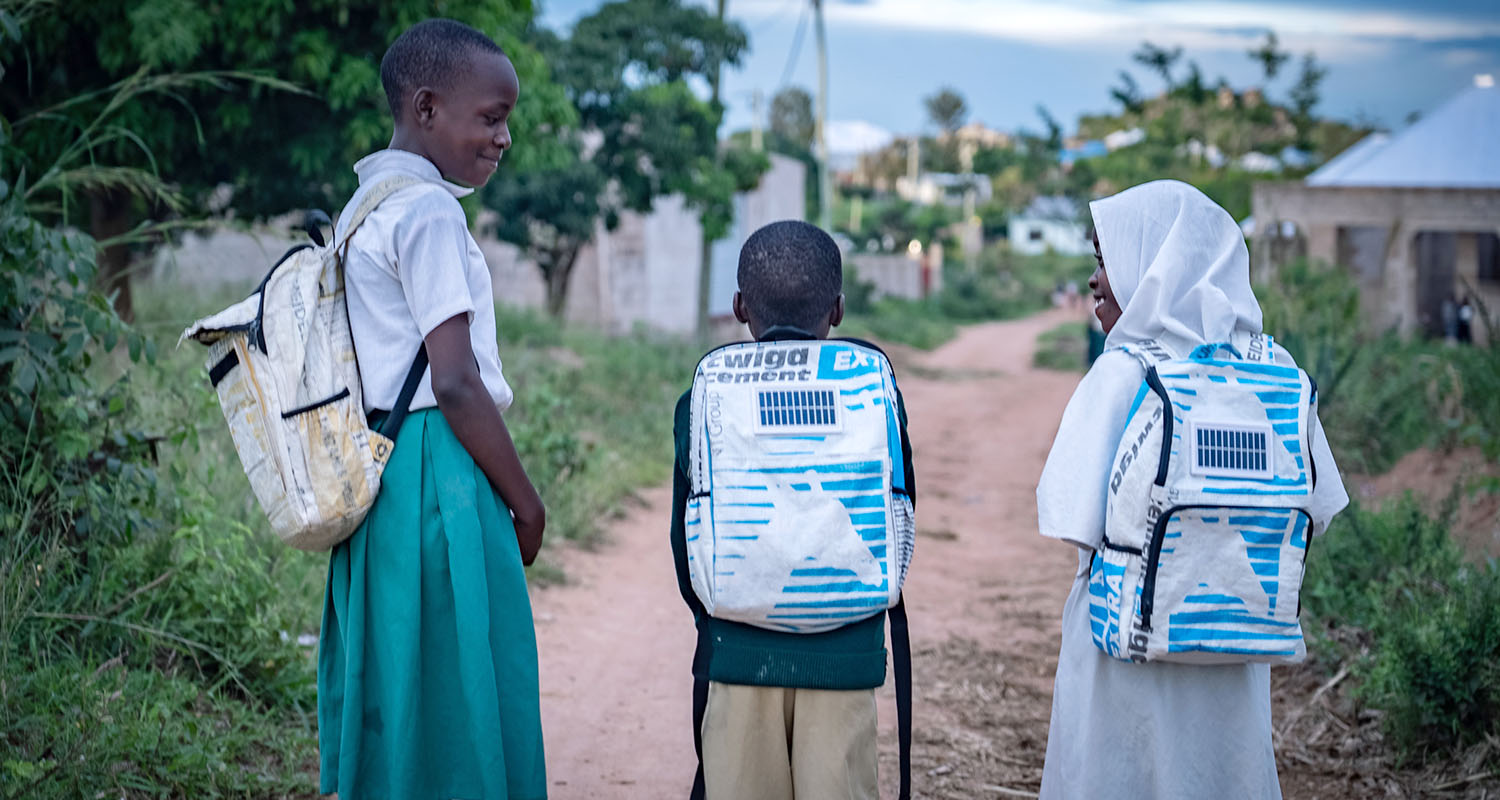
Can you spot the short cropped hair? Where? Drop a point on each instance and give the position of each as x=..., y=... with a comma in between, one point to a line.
x=434, y=53
x=790, y=273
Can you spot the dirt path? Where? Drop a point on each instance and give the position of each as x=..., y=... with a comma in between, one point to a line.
x=985, y=597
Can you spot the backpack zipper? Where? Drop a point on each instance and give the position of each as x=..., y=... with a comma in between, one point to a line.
x=1148, y=584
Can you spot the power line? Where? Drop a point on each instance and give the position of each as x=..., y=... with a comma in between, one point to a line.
x=796, y=51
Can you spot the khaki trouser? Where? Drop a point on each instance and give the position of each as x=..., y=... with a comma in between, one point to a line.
x=770, y=743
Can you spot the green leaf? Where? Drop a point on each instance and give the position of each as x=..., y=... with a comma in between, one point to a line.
x=11, y=26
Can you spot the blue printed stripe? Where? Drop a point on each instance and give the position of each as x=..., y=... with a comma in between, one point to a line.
x=1213, y=598
x=867, y=519
x=749, y=505
x=864, y=501
x=843, y=602
x=1227, y=618
x=865, y=388
x=852, y=466
x=1216, y=490
x=854, y=484
x=1215, y=634
x=823, y=572
x=844, y=587
x=871, y=534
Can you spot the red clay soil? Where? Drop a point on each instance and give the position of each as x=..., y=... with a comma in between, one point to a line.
x=985, y=598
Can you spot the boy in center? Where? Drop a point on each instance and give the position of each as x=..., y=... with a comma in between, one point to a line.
x=782, y=715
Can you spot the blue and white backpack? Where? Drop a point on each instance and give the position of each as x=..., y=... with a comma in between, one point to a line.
x=799, y=517
x=1207, y=524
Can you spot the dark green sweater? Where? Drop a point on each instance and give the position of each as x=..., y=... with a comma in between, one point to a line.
x=851, y=657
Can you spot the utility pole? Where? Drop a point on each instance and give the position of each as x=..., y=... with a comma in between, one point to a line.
x=757, y=141
x=825, y=175
x=706, y=251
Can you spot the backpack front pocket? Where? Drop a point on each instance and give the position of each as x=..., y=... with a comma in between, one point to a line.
x=1222, y=585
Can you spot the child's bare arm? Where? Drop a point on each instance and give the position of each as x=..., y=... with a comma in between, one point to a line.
x=470, y=411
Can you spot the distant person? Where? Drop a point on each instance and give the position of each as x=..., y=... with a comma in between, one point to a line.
x=1172, y=269
x=427, y=666
x=1448, y=314
x=1071, y=294
x=1466, y=321
x=782, y=714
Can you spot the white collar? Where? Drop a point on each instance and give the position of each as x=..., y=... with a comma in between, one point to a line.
x=405, y=162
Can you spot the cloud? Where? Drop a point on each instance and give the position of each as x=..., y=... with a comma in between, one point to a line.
x=1334, y=30
x=849, y=137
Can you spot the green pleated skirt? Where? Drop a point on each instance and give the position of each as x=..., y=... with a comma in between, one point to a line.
x=427, y=669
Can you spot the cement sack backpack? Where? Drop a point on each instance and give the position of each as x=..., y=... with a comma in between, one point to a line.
x=1207, y=524
x=800, y=516
x=282, y=362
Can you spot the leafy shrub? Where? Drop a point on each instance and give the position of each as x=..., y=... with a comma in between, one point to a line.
x=107, y=563
x=1437, y=669
x=1409, y=393
x=1425, y=623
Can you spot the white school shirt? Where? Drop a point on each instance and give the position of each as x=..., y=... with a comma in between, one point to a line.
x=412, y=265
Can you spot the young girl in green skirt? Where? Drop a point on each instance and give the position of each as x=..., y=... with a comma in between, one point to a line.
x=427, y=668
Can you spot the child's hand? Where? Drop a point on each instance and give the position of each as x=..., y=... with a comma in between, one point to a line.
x=530, y=519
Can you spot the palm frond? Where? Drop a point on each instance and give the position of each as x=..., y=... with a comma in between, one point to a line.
x=95, y=177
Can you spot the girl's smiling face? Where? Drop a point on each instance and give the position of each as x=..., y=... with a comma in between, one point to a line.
x=1106, y=307
x=465, y=127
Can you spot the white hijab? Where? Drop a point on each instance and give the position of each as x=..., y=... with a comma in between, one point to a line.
x=1178, y=266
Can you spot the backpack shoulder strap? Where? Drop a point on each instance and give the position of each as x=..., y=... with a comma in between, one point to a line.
x=372, y=198
x=1148, y=353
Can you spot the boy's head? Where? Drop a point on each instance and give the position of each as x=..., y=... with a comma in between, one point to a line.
x=790, y=274
x=451, y=90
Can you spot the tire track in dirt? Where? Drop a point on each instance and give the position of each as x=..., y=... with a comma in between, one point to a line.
x=985, y=598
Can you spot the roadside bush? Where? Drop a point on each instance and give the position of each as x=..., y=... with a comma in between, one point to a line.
x=1392, y=592
x=1436, y=671
x=1380, y=396
x=108, y=568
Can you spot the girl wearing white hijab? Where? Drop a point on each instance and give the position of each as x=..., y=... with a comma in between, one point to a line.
x=1173, y=268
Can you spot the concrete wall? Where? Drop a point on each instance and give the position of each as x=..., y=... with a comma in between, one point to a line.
x=1389, y=287
x=645, y=272
x=1059, y=236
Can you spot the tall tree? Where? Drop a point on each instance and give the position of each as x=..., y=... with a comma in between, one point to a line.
x=1305, y=95
x=641, y=132
x=792, y=118
x=1160, y=60
x=1128, y=93
x=277, y=151
x=1269, y=56
x=947, y=109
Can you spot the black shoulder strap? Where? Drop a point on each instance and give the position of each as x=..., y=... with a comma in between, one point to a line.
x=700, y=707
x=901, y=665
x=392, y=424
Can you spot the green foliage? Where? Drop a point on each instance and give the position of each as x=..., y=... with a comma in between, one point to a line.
x=1065, y=347
x=946, y=109
x=1421, y=624
x=1415, y=393
x=637, y=132
x=75, y=729
x=1437, y=670
x=592, y=417
x=1006, y=286
x=279, y=151
x=111, y=561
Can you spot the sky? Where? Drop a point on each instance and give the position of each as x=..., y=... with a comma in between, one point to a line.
x=1386, y=58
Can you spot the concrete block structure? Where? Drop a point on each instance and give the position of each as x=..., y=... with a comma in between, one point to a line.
x=1414, y=216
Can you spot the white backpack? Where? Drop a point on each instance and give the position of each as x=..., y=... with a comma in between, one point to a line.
x=799, y=518
x=1207, y=524
x=282, y=362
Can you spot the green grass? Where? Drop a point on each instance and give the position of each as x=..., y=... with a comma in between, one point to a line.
x=1065, y=347
x=1003, y=286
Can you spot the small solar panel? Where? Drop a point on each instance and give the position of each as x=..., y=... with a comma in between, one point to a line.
x=1231, y=450
x=797, y=410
